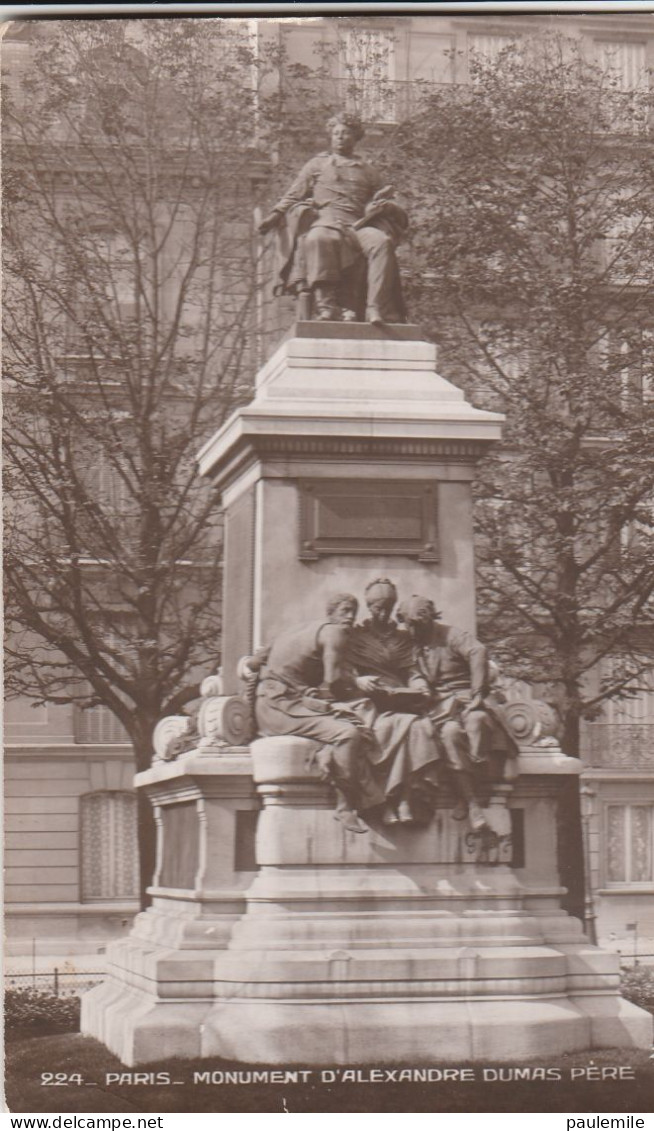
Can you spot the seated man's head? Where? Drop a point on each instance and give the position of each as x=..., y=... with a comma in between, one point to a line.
x=418, y=614
x=342, y=608
x=345, y=131
x=381, y=596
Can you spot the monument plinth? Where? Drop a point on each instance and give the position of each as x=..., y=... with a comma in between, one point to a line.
x=354, y=456
x=406, y=944
x=276, y=934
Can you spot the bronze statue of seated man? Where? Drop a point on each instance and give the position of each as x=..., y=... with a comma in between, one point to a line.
x=336, y=219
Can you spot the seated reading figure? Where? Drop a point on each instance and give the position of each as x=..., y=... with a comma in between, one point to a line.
x=301, y=677
x=453, y=666
x=405, y=755
x=338, y=215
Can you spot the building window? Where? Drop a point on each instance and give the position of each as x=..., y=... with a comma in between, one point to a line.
x=627, y=237
x=489, y=47
x=623, y=735
x=98, y=313
x=109, y=846
x=122, y=83
x=646, y=366
x=368, y=63
x=627, y=362
x=111, y=485
x=629, y=844
x=625, y=62
x=116, y=639
x=502, y=353
x=638, y=707
x=97, y=725
x=625, y=65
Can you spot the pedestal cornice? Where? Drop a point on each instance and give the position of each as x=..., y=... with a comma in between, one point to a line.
x=351, y=396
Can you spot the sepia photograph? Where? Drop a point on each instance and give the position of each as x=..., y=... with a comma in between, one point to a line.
x=328, y=454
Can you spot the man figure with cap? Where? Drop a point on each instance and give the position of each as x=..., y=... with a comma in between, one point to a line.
x=453, y=665
x=342, y=210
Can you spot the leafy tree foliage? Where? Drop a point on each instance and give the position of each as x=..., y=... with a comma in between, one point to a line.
x=532, y=196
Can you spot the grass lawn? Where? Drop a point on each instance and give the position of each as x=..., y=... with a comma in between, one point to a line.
x=30, y=1056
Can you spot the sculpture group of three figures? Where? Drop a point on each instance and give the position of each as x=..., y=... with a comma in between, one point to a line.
x=396, y=710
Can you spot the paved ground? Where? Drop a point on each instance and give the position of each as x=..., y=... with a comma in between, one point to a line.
x=92, y=1080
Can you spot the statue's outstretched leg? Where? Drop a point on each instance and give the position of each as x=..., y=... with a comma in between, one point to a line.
x=326, y=305
x=346, y=815
x=322, y=255
x=478, y=728
x=398, y=812
x=379, y=251
x=344, y=770
x=404, y=812
x=467, y=805
x=339, y=759
x=389, y=816
x=454, y=740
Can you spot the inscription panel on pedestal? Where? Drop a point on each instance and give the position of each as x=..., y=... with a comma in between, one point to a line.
x=180, y=845
x=341, y=516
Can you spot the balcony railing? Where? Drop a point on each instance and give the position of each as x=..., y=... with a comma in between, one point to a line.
x=380, y=100
x=377, y=102
x=618, y=746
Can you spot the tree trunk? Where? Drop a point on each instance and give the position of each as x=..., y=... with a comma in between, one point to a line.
x=147, y=841
x=147, y=832
x=571, y=848
x=571, y=733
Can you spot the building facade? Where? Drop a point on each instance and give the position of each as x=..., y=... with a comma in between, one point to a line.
x=70, y=809
x=70, y=830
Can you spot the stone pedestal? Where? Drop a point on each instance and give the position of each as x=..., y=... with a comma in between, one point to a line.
x=406, y=944
x=161, y=976
x=354, y=460
x=399, y=945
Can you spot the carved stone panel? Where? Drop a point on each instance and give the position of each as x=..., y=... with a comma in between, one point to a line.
x=180, y=845
x=338, y=516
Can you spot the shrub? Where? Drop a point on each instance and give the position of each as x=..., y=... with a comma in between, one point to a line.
x=637, y=985
x=32, y=1010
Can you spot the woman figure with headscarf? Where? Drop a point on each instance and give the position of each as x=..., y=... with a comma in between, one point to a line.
x=405, y=756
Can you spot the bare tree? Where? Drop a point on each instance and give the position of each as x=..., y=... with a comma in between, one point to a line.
x=532, y=197
x=130, y=286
